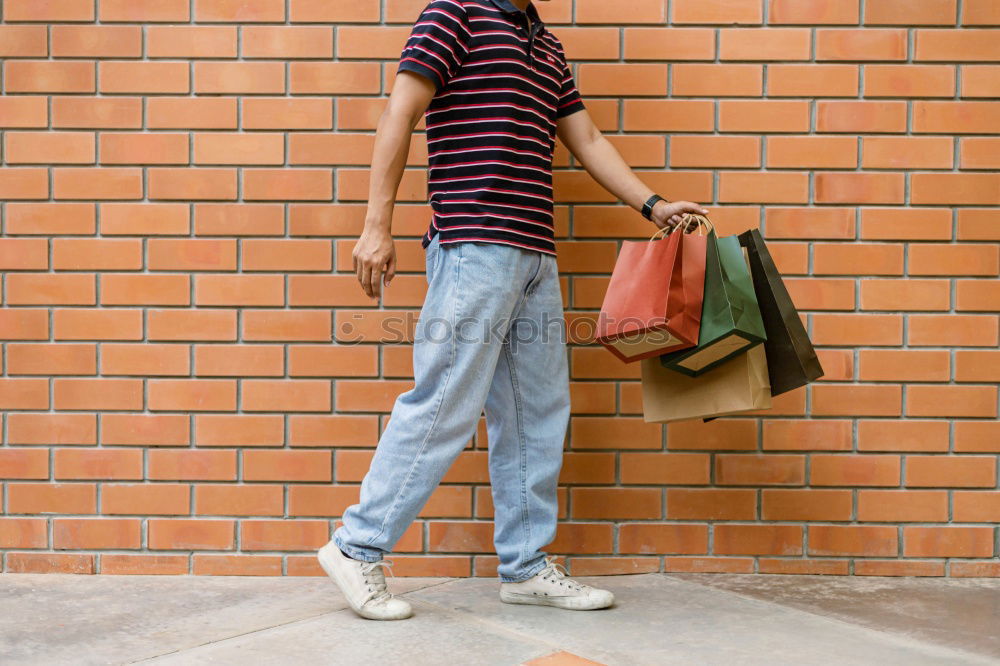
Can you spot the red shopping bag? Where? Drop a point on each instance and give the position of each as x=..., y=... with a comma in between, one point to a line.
x=653, y=303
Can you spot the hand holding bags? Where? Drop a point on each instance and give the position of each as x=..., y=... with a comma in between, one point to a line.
x=653, y=303
x=730, y=320
x=791, y=359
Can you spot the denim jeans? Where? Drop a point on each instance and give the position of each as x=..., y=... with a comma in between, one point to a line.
x=490, y=334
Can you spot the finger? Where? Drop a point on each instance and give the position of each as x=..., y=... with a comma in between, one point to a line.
x=366, y=283
x=390, y=271
x=376, y=280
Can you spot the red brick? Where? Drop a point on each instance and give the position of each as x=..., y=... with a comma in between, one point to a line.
x=910, y=12
x=857, y=400
x=980, y=153
x=902, y=506
x=39, y=498
x=50, y=563
x=977, y=295
x=854, y=470
x=907, y=152
x=758, y=540
x=953, y=330
x=947, y=542
x=861, y=44
x=717, y=11
x=641, y=11
x=863, y=540
x=980, y=12
x=956, y=117
x=903, y=365
x=763, y=116
x=663, y=538
x=710, y=504
x=818, y=294
x=844, y=116
x=834, y=223
x=144, y=77
x=954, y=259
x=797, y=435
x=955, y=188
x=973, y=224
x=952, y=401
x=96, y=41
x=805, y=504
x=909, y=81
x=834, y=152
x=905, y=224
x=23, y=533
x=144, y=11
x=184, y=534
x=708, y=80
x=977, y=366
x=768, y=44
x=714, y=151
x=906, y=294
x=770, y=187
x=191, y=41
x=956, y=45
x=862, y=188
x=96, y=533
x=855, y=258
x=640, y=43
x=48, y=10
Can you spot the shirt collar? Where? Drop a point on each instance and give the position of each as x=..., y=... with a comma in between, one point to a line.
x=508, y=7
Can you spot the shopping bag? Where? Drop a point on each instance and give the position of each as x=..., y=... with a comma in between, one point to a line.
x=737, y=385
x=791, y=358
x=653, y=302
x=730, y=319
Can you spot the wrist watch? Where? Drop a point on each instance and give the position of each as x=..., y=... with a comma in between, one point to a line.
x=647, y=208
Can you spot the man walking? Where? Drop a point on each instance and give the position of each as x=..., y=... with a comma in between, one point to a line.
x=497, y=90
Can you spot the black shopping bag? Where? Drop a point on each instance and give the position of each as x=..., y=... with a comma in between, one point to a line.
x=791, y=358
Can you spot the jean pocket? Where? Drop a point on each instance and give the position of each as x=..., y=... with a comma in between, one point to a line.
x=432, y=258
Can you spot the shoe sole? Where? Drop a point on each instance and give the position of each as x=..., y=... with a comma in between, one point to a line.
x=535, y=600
x=331, y=571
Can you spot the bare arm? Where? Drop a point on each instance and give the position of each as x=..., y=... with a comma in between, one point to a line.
x=602, y=161
x=375, y=252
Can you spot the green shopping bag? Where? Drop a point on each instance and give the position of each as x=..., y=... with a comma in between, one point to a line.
x=731, y=322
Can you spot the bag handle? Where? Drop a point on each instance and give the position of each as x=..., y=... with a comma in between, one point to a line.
x=700, y=221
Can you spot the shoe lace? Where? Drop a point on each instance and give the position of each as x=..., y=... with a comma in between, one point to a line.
x=375, y=580
x=552, y=572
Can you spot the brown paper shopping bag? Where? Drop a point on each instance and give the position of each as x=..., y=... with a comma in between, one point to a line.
x=740, y=384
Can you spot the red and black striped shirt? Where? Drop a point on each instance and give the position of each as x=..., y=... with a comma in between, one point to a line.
x=491, y=126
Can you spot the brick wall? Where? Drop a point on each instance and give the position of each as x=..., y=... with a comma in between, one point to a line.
x=183, y=181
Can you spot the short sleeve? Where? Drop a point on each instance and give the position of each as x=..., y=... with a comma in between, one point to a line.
x=438, y=42
x=569, y=97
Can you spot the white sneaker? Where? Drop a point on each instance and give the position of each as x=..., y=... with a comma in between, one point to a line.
x=363, y=585
x=550, y=587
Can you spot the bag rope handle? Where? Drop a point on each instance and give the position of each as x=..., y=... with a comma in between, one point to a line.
x=699, y=220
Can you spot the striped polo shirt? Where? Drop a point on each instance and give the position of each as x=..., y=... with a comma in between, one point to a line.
x=491, y=126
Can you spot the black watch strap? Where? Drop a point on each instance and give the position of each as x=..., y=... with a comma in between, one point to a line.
x=647, y=208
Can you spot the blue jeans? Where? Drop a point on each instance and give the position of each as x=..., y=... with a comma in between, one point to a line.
x=490, y=334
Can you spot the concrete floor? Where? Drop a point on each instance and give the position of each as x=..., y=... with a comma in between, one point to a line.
x=657, y=619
